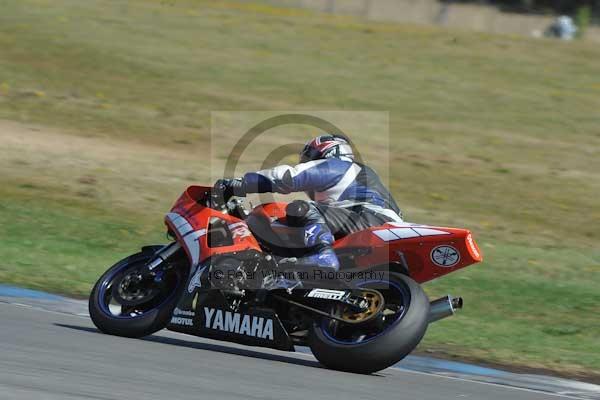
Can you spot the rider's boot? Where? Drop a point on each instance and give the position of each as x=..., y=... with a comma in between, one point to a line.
x=316, y=269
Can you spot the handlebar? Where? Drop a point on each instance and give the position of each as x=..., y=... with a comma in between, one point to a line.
x=232, y=206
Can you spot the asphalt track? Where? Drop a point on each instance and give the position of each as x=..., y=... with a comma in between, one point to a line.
x=51, y=355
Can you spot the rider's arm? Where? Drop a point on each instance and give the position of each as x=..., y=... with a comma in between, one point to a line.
x=313, y=175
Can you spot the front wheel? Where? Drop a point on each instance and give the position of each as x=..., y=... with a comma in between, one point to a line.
x=381, y=341
x=123, y=303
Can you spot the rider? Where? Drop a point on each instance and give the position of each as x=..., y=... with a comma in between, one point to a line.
x=347, y=196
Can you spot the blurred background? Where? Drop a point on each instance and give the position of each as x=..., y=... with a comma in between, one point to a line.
x=523, y=17
x=494, y=121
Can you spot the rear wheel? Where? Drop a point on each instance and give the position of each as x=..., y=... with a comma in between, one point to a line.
x=382, y=340
x=123, y=303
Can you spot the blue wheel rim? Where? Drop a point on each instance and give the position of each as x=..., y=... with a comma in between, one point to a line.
x=107, y=283
x=404, y=294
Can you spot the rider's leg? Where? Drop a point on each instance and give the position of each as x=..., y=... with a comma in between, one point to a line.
x=316, y=237
x=312, y=240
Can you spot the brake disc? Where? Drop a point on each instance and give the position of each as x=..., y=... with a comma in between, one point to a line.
x=375, y=302
x=131, y=290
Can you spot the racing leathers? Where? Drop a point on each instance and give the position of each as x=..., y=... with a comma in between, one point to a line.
x=346, y=197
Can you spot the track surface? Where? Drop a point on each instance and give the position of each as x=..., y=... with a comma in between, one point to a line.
x=48, y=355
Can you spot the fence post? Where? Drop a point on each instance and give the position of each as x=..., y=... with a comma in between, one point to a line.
x=442, y=17
x=330, y=6
x=367, y=9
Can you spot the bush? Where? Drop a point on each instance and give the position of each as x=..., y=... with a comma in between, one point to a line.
x=583, y=17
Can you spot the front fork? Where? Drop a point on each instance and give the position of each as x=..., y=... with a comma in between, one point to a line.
x=159, y=257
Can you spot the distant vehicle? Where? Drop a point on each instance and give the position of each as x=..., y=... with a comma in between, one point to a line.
x=563, y=28
x=208, y=282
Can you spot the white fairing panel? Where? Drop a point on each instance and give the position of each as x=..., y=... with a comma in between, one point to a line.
x=407, y=231
x=386, y=235
x=430, y=232
x=189, y=235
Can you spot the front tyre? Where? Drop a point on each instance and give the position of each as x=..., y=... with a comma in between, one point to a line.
x=380, y=342
x=121, y=304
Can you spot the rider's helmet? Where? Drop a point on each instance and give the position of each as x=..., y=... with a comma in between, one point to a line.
x=327, y=146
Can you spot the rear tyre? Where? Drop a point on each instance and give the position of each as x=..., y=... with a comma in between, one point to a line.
x=142, y=310
x=380, y=343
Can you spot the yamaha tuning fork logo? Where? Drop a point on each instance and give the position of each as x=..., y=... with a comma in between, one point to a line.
x=445, y=256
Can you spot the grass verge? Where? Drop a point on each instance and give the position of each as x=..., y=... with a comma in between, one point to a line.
x=494, y=133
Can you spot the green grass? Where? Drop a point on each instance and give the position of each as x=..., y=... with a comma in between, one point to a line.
x=61, y=247
x=537, y=308
x=495, y=133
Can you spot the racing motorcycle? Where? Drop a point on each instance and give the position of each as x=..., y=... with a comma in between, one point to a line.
x=209, y=281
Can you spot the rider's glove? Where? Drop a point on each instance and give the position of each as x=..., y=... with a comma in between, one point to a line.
x=229, y=188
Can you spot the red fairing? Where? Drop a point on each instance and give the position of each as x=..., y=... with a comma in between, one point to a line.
x=428, y=251
x=189, y=220
x=271, y=210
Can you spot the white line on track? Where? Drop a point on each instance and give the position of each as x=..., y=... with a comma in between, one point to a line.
x=464, y=380
x=455, y=378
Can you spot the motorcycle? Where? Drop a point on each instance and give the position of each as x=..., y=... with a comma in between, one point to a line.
x=209, y=282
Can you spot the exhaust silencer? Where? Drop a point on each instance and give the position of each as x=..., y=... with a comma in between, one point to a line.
x=444, y=307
